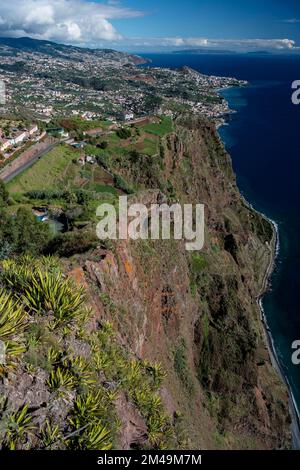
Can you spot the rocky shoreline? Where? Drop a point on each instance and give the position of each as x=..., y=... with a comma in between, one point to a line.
x=274, y=251
x=269, y=339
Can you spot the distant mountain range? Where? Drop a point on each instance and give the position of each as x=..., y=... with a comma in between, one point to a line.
x=204, y=50
x=10, y=46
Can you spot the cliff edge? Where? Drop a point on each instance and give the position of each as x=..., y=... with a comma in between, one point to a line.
x=172, y=346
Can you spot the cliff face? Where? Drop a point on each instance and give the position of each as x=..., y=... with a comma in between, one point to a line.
x=194, y=313
x=197, y=314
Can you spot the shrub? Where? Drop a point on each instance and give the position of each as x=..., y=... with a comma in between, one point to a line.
x=4, y=195
x=31, y=236
x=120, y=183
x=181, y=366
x=123, y=133
x=61, y=379
x=12, y=317
x=71, y=243
x=198, y=263
x=18, y=427
x=45, y=292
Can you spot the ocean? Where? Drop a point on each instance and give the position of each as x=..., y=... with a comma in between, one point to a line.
x=263, y=139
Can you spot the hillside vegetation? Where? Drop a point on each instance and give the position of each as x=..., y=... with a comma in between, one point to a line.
x=136, y=344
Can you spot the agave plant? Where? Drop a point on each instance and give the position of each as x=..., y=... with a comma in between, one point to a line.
x=158, y=428
x=148, y=402
x=49, y=263
x=15, y=274
x=133, y=374
x=54, y=357
x=45, y=292
x=80, y=370
x=19, y=426
x=14, y=349
x=13, y=319
x=154, y=430
x=50, y=434
x=156, y=372
x=87, y=408
x=94, y=437
x=61, y=379
x=102, y=361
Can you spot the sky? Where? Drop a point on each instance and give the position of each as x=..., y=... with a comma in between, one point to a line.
x=157, y=24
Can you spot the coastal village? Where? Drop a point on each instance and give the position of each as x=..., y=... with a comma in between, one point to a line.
x=47, y=86
x=55, y=81
x=82, y=103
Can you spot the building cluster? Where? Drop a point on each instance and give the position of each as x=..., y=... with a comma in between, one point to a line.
x=14, y=137
x=104, y=85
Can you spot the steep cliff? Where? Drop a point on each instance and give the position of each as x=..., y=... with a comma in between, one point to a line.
x=195, y=314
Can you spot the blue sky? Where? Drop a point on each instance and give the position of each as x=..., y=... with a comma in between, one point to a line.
x=216, y=19
x=157, y=24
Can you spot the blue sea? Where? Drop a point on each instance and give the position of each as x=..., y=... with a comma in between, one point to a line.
x=263, y=138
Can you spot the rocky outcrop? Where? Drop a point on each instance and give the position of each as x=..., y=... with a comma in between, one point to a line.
x=194, y=313
x=197, y=314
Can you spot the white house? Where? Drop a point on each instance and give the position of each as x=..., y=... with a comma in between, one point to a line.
x=33, y=129
x=20, y=137
x=129, y=116
x=5, y=144
x=90, y=159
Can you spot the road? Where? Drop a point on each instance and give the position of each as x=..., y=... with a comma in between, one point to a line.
x=29, y=163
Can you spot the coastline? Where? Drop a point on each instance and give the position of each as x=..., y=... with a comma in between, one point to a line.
x=275, y=248
x=274, y=252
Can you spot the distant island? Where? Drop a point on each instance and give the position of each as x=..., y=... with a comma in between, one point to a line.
x=204, y=50
x=259, y=53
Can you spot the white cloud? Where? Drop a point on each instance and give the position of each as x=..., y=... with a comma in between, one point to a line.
x=88, y=23
x=233, y=44
x=75, y=21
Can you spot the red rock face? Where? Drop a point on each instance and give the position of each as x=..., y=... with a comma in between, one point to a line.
x=202, y=324
x=194, y=313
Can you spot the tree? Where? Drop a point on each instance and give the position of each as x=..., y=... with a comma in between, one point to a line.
x=4, y=195
x=134, y=156
x=28, y=234
x=124, y=133
x=152, y=103
x=103, y=145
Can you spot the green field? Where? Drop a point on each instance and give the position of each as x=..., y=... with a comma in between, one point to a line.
x=82, y=125
x=160, y=129
x=60, y=170
x=53, y=170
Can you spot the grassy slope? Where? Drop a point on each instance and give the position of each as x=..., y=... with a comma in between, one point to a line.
x=46, y=173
